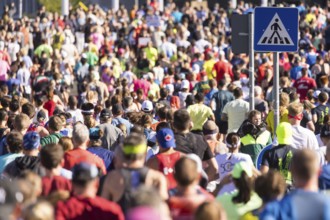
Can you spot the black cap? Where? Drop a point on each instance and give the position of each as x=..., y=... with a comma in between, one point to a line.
x=117, y=109
x=87, y=109
x=84, y=172
x=105, y=113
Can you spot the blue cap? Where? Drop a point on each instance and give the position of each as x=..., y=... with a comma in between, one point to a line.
x=84, y=172
x=165, y=138
x=94, y=133
x=31, y=140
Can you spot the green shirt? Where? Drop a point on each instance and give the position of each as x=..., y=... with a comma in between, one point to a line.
x=236, y=210
x=50, y=139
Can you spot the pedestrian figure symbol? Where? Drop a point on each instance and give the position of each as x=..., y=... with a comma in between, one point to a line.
x=275, y=33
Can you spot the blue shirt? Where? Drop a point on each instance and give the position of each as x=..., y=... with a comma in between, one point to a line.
x=119, y=120
x=298, y=205
x=7, y=158
x=294, y=72
x=106, y=155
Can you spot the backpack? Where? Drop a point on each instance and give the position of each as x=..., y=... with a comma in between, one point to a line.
x=133, y=178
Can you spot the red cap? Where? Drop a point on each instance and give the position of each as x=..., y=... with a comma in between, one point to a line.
x=203, y=73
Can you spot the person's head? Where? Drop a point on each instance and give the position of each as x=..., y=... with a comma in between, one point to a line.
x=284, y=99
x=238, y=93
x=95, y=135
x=242, y=175
x=105, y=116
x=3, y=115
x=304, y=72
x=257, y=91
x=66, y=143
x=148, y=197
x=14, y=142
x=14, y=105
x=181, y=120
x=72, y=102
x=255, y=117
x=163, y=113
x=29, y=110
x=199, y=97
x=165, y=138
x=51, y=156
x=295, y=112
x=147, y=106
x=284, y=133
x=134, y=148
x=117, y=110
x=323, y=97
x=31, y=143
x=30, y=185
x=305, y=168
x=11, y=197
x=210, y=128
x=21, y=123
x=55, y=124
x=186, y=172
x=233, y=141
x=324, y=81
x=40, y=210
x=210, y=211
x=80, y=135
x=270, y=186
x=85, y=179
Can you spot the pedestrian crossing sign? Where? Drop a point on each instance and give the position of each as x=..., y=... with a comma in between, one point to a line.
x=275, y=29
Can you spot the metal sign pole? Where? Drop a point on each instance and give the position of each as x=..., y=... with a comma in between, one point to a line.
x=251, y=60
x=276, y=88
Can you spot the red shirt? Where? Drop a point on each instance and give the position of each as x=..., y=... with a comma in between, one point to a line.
x=222, y=67
x=50, y=105
x=55, y=183
x=184, y=207
x=97, y=208
x=166, y=166
x=79, y=155
x=304, y=84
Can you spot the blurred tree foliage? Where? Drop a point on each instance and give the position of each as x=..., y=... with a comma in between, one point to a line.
x=55, y=5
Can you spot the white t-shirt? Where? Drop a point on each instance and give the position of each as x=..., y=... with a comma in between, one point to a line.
x=236, y=111
x=303, y=138
x=226, y=163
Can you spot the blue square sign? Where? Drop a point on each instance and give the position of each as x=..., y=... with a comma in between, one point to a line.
x=275, y=29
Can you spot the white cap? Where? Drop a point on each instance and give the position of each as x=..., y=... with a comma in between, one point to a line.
x=84, y=55
x=147, y=106
x=185, y=84
x=316, y=93
x=170, y=88
x=107, y=63
x=195, y=68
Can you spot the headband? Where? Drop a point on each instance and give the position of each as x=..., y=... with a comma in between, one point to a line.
x=298, y=117
x=137, y=149
x=208, y=132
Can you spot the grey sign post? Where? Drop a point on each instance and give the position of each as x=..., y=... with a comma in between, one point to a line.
x=242, y=42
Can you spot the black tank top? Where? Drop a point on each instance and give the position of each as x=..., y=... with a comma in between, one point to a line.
x=133, y=178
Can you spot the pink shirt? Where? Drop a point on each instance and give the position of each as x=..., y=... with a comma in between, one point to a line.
x=142, y=84
x=4, y=67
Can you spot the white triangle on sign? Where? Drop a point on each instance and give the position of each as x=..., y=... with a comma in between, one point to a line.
x=275, y=34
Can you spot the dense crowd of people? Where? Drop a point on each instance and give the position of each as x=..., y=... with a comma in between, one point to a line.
x=145, y=114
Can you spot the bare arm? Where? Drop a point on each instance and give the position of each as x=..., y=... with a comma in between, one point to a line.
x=212, y=169
x=264, y=169
x=224, y=117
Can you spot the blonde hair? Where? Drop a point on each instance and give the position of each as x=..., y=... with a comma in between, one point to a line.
x=41, y=210
x=284, y=102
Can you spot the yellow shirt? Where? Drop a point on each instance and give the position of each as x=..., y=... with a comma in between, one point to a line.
x=208, y=67
x=199, y=113
x=270, y=120
x=152, y=55
x=236, y=210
